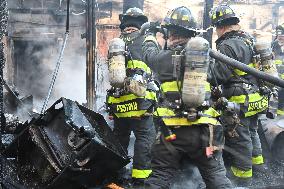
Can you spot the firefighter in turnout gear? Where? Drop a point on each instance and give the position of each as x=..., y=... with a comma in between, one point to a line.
x=241, y=137
x=278, y=50
x=131, y=100
x=183, y=108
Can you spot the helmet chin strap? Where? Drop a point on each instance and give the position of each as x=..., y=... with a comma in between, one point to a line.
x=130, y=30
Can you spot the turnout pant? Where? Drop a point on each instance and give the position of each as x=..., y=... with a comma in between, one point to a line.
x=144, y=131
x=190, y=143
x=245, y=148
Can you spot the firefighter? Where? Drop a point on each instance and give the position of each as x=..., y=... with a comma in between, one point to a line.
x=278, y=50
x=132, y=102
x=242, y=140
x=188, y=129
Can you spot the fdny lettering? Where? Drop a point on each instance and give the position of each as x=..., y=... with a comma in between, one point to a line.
x=258, y=105
x=195, y=77
x=127, y=107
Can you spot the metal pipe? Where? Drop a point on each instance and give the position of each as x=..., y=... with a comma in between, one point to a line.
x=90, y=53
x=208, y=5
x=243, y=67
x=68, y=15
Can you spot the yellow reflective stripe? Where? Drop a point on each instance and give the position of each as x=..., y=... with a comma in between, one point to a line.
x=212, y=112
x=176, y=121
x=174, y=16
x=252, y=98
x=242, y=98
x=240, y=73
x=282, y=76
x=114, y=100
x=251, y=113
x=151, y=38
x=141, y=174
x=185, y=17
x=228, y=11
x=170, y=86
x=138, y=113
x=240, y=173
x=257, y=160
x=207, y=87
x=278, y=62
x=280, y=112
x=138, y=64
x=164, y=112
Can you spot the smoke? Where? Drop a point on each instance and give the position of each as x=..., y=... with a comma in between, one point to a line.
x=35, y=71
x=35, y=55
x=188, y=177
x=71, y=81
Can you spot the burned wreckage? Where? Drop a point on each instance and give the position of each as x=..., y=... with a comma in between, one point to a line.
x=71, y=146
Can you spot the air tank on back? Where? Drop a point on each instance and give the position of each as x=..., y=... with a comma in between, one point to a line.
x=267, y=64
x=116, y=62
x=195, y=72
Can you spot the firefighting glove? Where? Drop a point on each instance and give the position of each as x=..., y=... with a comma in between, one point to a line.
x=136, y=85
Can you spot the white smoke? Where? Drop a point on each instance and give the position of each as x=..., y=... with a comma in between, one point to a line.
x=71, y=81
x=36, y=77
x=188, y=177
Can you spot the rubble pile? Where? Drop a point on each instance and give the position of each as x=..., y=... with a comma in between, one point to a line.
x=67, y=147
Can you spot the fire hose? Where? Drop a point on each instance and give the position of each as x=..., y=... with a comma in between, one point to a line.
x=245, y=68
x=59, y=60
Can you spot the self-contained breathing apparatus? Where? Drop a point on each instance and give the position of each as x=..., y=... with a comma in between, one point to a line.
x=122, y=79
x=116, y=62
x=267, y=64
x=264, y=58
x=190, y=71
x=134, y=91
x=194, y=77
